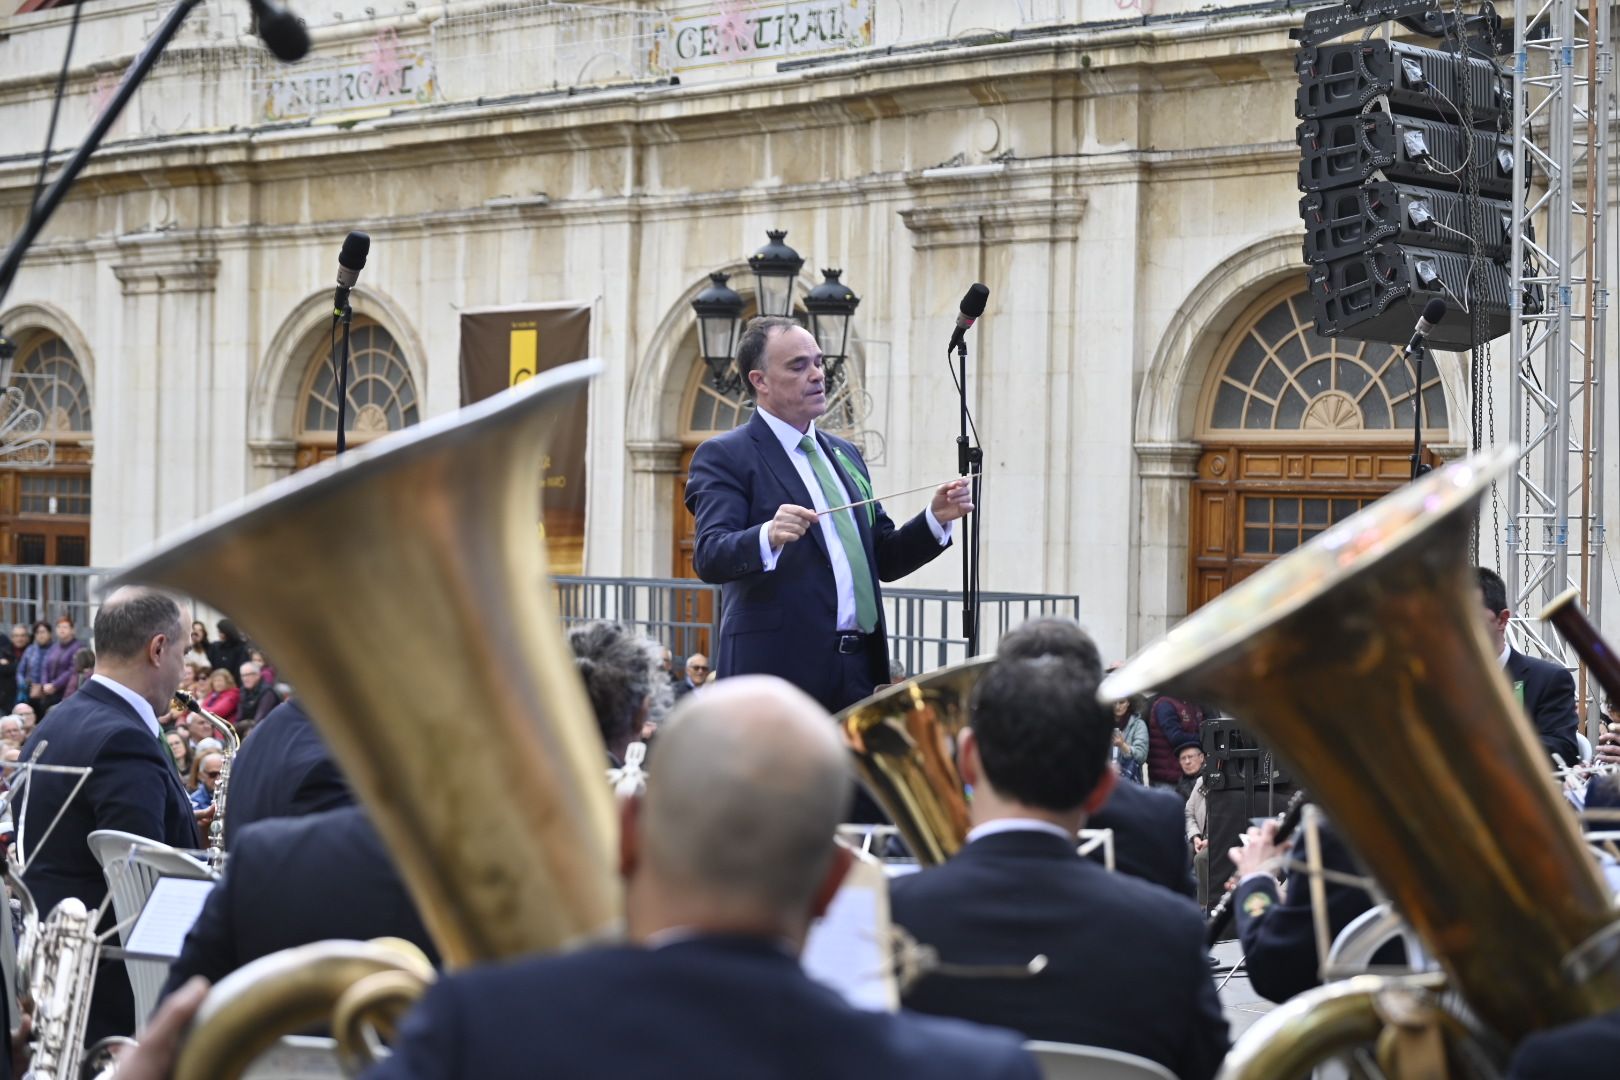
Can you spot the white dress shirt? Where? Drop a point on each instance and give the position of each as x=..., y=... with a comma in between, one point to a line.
x=1507, y=651
x=136, y=702
x=843, y=579
x=1019, y=824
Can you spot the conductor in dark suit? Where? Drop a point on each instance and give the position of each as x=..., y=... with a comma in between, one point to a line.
x=800, y=596
x=283, y=770
x=1545, y=690
x=111, y=726
x=1126, y=966
x=296, y=881
x=709, y=984
x=1149, y=824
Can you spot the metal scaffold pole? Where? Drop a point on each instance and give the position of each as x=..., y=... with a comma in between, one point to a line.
x=1555, y=496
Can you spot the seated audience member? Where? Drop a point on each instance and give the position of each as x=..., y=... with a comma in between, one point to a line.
x=285, y=770
x=31, y=668
x=223, y=696
x=59, y=661
x=1126, y=966
x=205, y=772
x=11, y=731
x=715, y=915
x=267, y=670
x=266, y=902
x=257, y=697
x=25, y=712
x=84, y=662
x=1172, y=724
x=1130, y=740
x=1190, y=760
x=1275, y=924
x=198, y=729
x=1197, y=817
x=230, y=651
x=179, y=749
x=624, y=679
x=1147, y=822
x=695, y=674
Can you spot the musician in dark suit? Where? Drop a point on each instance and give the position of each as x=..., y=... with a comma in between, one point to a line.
x=1126, y=966
x=805, y=610
x=710, y=984
x=111, y=726
x=295, y=881
x=284, y=770
x=1275, y=923
x=1149, y=823
x=1588, y=1048
x=1545, y=690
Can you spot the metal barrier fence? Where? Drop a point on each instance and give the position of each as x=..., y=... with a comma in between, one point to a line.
x=925, y=625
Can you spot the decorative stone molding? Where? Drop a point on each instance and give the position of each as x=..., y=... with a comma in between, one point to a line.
x=187, y=275
x=1024, y=217
x=273, y=453
x=655, y=457
x=1168, y=461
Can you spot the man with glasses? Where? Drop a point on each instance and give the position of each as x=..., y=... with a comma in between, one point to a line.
x=697, y=671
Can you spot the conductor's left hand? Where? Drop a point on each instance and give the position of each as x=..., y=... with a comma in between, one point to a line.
x=952, y=501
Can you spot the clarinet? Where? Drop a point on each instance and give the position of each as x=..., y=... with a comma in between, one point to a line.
x=1287, y=821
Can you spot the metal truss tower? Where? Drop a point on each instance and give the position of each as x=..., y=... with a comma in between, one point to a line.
x=1555, y=496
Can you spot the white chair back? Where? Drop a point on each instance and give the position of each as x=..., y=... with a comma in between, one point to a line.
x=1066, y=1061
x=132, y=865
x=1583, y=746
x=297, y=1057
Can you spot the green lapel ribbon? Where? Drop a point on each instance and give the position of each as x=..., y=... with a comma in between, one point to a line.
x=862, y=484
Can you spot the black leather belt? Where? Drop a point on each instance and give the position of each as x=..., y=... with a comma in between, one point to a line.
x=852, y=643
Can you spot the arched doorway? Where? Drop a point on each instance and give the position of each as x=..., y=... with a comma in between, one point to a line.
x=382, y=395
x=45, y=512
x=1296, y=432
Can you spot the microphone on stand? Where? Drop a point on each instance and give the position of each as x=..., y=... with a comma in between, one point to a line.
x=1433, y=312
x=281, y=31
x=971, y=308
x=351, y=260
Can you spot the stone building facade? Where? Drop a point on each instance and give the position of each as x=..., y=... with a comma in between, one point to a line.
x=1158, y=418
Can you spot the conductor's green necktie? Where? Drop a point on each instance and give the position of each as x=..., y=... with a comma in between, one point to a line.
x=866, y=610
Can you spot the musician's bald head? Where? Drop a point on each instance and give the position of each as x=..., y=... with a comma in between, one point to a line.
x=749, y=781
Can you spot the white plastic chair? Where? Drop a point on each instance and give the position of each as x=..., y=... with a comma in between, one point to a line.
x=1066, y=1061
x=132, y=865
x=1583, y=746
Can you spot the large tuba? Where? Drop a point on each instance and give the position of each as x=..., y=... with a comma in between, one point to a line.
x=403, y=587
x=1363, y=660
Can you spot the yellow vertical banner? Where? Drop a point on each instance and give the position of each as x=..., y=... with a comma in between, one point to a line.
x=524, y=353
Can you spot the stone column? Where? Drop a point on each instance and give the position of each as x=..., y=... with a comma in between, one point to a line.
x=653, y=465
x=1166, y=471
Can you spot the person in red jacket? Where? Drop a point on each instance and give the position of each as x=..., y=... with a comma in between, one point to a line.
x=1172, y=724
x=223, y=695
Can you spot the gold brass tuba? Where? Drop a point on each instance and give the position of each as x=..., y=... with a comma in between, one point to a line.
x=403, y=588
x=903, y=742
x=1362, y=659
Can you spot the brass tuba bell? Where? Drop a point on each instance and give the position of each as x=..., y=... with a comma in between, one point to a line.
x=403, y=588
x=1362, y=660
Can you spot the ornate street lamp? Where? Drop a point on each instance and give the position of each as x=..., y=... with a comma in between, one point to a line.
x=775, y=266
x=719, y=310
x=831, y=306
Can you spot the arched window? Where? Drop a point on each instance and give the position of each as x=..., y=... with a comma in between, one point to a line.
x=1298, y=433
x=382, y=394
x=45, y=507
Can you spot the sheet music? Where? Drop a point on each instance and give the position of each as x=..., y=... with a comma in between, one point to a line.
x=848, y=948
x=169, y=913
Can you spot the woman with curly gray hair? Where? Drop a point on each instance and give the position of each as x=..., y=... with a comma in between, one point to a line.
x=624, y=678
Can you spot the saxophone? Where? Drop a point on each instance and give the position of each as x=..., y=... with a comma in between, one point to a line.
x=216, y=831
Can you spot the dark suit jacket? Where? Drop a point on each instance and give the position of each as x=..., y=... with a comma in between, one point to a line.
x=1278, y=933
x=294, y=881
x=1549, y=700
x=1126, y=969
x=1589, y=1048
x=1150, y=836
x=769, y=621
x=132, y=787
x=283, y=770
x=718, y=1008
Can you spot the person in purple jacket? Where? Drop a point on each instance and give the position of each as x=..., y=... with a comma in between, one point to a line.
x=59, y=661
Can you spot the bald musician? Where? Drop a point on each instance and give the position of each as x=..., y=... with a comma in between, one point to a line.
x=800, y=586
x=716, y=914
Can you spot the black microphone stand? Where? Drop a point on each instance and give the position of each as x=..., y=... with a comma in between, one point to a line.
x=1416, y=355
x=342, y=313
x=41, y=213
x=969, y=463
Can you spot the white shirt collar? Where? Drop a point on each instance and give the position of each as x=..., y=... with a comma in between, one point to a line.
x=1017, y=824
x=136, y=702
x=786, y=434
x=1507, y=651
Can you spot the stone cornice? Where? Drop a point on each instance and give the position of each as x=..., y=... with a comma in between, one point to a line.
x=1168, y=461
x=186, y=275
x=1031, y=219
x=273, y=453
x=655, y=457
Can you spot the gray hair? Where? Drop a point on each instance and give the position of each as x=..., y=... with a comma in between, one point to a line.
x=623, y=670
x=131, y=617
x=749, y=784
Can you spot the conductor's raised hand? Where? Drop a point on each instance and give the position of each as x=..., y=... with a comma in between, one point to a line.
x=953, y=500
x=790, y=523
